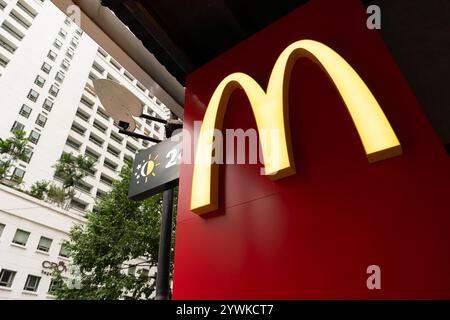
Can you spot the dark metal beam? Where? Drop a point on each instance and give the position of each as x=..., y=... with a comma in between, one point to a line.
x=159, y=35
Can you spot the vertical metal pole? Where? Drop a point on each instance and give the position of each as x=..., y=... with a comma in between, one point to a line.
x=165, y=241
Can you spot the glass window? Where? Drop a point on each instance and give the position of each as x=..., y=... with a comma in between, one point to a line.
x=21, y=237
x=32, y=283
x=17, y=126
x=18, y=175
x=144, y=273
x=60, y=77
x=131, y=270
x=54, y=284
x=48, y=104
x=7, y=278
x=70, y=53
x=34, y=137
x=54, y=90
x=52, y=55
x=64, y=252
x=67, y=21
x=40, y=81
x=44, y=244
x=28, y=155
x=25, y=111
x=74, y=42
x=65, y=64
x=57, y=44
x=46, y=67
x=2, y=227
x=33, y=95
x=41, y=120
x=62, y=33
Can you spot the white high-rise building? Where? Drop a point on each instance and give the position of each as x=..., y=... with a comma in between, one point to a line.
x=47, y=64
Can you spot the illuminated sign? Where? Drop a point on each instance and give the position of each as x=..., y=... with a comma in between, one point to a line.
x=270, y=109
x=156, y=169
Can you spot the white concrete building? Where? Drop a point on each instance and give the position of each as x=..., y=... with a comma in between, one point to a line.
x=32, y=233
x=47, y=65
x=31, y=237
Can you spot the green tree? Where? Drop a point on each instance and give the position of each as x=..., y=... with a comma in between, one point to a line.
x=12, y=150
x=71, y=170
x=117, y=231
x=40, y=189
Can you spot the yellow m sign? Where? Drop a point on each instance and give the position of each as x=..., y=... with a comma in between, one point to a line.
x=271, y=112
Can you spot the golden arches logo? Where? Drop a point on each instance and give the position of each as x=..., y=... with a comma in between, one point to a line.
x=271, y=113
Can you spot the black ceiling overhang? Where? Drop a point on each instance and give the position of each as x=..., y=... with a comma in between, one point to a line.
x=185, y=34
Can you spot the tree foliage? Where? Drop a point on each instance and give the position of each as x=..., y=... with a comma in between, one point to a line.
x=71, y=170
x=117, y=231
x=12, y=150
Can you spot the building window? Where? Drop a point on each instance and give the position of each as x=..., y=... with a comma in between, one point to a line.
x=46, y=67
x=28, y=155
x=33, y=95
x=27, y=8
x=12, y=30
x=64, y=252
x=40, y=81
x=79, y=32
x=17, y=126
x=3, y=62
x=62, y=33
x=8, y=45
x=70, y=53
x=103, y=53
x=44, y=244
x=58, y=44
x=7, y=278
x=25, y=111
x=34, y=137
x=54, y=284
x=98, y=68
x=131, y=148
x=41, y=120
x=87, y=102
x=18, y=175
x=144, y=273
x=116, y=64
x=20, y=19
x=141, y=87
x=129, y=76
x=2, y=227
x=74, y=42
x=54, y=91
x=21, y=237
x=48, y=104
x=67, y=21
x=60, y=77
x=65, y=64
x=52, y=55
x=131, y=270
x=32, y=283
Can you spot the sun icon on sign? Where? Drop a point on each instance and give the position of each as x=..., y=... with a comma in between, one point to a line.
x=146, y=168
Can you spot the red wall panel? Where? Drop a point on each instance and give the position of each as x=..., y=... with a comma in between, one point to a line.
x=312, y=235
